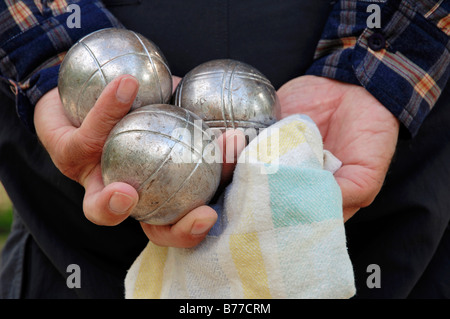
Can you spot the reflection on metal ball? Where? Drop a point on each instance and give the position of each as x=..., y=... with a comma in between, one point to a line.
x=228, y=94
x=101, y=56
x=160, y=150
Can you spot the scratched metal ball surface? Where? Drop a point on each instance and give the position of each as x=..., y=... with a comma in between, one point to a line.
x=162, y=151
x=228, y=94
x=101, y=56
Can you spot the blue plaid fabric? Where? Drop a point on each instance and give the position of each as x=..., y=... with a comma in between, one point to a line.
x=34, y=38
x=405, y=63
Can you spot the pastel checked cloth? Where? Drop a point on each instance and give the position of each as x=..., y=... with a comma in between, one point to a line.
x=280, y=232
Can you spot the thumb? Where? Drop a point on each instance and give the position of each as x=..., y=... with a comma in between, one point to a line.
x=113, y=104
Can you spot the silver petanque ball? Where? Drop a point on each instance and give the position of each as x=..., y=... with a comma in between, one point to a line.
x=228, y=94
x=101, y=56
x=169, y=156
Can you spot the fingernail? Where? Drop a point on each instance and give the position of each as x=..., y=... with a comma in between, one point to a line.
x=127, y=89
x=120, y=203
x=201, y=227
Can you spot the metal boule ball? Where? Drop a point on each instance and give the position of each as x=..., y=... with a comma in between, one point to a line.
x=98, y=58
x=169, y=155
x=228, y=94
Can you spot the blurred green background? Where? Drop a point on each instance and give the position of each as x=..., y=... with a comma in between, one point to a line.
x=5, y=216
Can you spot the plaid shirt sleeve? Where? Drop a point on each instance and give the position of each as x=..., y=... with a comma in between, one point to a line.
x=404, y=62
x=34, y=37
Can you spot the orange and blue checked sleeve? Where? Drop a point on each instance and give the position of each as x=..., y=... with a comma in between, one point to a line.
x=403, y=61
x=34, y=37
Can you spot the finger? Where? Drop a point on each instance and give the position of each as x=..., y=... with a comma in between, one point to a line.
x=84, y=148
x=112, y=105
x=359, y=186
x=175, y=81
x=350, y=202
x=231, y=143
x=187, y=232
x=110, y=205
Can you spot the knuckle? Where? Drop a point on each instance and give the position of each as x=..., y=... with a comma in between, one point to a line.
x=165, y=236
x=186, y=239
x=367, y=201
x=74, y=155
x=90, y=215
x=101, y=218
x=66, y=164
x=107, y=117
x=156, y=234
x=89, y=144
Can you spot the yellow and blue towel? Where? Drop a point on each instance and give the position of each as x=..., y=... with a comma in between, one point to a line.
x=280, y=232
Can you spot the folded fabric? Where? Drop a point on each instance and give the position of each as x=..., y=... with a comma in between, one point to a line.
x=280, y=232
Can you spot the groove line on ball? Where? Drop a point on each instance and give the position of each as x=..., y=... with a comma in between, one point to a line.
x=230, y=95
x=254, y=76
x=222, y=95
x=114, y=58
x=175, y=116
x=154, y=57
x=203, y=76
x=172, y=195
x=215, y=122
x=163, y=135
x=152, y=63
x=166, y=157
x=97, y=62
x=81, y=93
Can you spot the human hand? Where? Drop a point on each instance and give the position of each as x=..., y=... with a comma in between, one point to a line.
x=355, y=127
x=76, y=152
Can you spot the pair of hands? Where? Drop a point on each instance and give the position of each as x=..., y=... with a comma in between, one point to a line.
x=355, y=127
